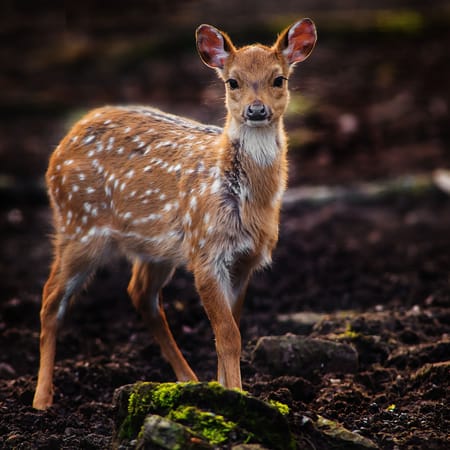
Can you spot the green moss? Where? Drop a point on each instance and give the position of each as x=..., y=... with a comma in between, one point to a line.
x=349, y=333
x=208, y=410
x=165, y=395
x=148, y=396
x=282, y=408
x=213, y=427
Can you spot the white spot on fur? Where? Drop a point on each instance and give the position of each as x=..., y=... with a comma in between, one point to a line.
x=110, y=143
x=88, y=139
x=187, y=220
x=214, y=172
x=215, y=186
x=163, y=144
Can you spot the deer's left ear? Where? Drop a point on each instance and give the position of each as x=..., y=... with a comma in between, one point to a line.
x=214, y=47
x=297, y=42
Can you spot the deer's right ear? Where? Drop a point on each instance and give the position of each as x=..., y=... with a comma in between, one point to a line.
x=214, y=47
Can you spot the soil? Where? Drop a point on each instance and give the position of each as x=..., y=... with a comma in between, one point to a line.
x=377, y=272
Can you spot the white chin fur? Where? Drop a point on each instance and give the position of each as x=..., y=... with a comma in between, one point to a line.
x=257, y=123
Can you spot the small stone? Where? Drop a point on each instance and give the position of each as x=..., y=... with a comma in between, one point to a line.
x=303, y=356
x=168, y=434
x=340, y=437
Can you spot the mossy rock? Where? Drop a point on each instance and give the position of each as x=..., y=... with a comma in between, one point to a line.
x=204, y=415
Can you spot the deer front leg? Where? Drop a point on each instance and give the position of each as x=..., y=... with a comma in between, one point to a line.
x=216, y=294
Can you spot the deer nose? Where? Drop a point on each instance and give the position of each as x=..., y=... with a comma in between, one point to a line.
x=256, y=111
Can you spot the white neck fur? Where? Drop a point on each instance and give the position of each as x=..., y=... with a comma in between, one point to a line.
x=262, y=144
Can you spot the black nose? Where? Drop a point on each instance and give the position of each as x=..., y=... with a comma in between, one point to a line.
x=256, y=111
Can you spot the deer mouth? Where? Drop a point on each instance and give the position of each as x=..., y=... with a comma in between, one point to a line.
x=257, y=123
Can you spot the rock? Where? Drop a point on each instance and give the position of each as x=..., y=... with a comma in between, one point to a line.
x=201, y=414
x=169, y=435
x=303, y=356
x=340, y=437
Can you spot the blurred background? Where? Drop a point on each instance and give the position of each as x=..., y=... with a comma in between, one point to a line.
x=372, y=101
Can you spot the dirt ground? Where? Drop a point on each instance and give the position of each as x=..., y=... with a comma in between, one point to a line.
x=377, y=271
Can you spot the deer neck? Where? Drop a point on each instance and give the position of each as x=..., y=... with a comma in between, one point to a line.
x=261, y=145
x=259, y=154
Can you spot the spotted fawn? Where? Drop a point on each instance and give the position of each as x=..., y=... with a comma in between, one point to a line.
x=167, y=191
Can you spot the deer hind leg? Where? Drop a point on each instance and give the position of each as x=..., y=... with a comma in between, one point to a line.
x=145, y=287
x=66, y=279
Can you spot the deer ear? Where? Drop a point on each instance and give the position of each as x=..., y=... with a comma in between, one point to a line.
x=214, y=47
x=297, y=42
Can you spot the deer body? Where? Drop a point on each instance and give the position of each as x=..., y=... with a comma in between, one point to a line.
x=166, y=191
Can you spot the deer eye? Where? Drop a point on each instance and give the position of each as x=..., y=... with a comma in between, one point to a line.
x=278, y=81
x=232, y=83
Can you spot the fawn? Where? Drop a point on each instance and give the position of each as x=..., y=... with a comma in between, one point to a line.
x=166, y=191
